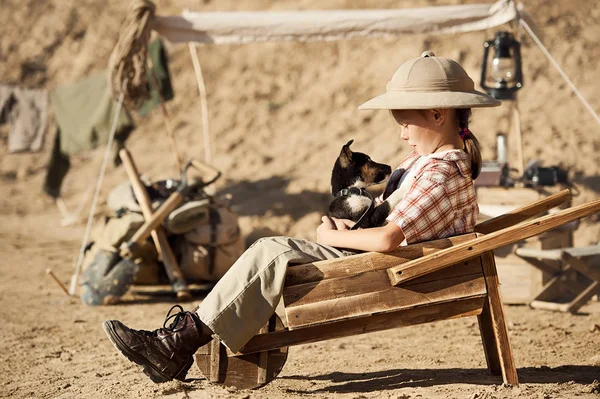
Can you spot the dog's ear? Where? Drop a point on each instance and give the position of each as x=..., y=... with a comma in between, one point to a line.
x=346, y=154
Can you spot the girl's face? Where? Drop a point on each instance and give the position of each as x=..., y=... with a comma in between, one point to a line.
x=420, y=130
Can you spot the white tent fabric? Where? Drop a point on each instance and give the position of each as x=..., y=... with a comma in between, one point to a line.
x=262, y=26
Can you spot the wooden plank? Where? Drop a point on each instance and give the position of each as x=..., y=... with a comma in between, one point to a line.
x=477, y=246
x=394, y=298
x=542, y=254
x=367, y=282
x=494, y=301
x=383, y=321
x=584, y=252
x=523, y=213
x=545, y=305
x=355, y=264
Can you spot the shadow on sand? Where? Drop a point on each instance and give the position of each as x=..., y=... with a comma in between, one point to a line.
x=402, y=378
x=271, y=196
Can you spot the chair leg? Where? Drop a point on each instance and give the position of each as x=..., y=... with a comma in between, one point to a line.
x=507, y=364
x=488, y=338
x=583, y=298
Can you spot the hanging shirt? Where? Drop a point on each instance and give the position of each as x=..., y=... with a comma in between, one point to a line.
x=440, y=197
x=26, y=110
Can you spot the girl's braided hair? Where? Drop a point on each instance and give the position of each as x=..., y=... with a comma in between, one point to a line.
x=471, y=144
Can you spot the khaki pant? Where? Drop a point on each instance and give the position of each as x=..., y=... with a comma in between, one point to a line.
x=247, y=295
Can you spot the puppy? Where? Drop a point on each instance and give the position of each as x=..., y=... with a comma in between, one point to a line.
x=352, y=173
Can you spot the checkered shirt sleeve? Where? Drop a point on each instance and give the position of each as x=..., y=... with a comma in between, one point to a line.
x=440, y=203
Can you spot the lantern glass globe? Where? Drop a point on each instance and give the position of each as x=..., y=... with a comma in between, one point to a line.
x=503, y=71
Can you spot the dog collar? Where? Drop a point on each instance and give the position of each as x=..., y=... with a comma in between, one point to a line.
x=345, y=192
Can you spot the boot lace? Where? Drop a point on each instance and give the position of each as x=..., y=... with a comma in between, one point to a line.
x=177, y=317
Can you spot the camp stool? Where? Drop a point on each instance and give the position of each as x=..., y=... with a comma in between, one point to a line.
x=421, y=283
x=575, y=272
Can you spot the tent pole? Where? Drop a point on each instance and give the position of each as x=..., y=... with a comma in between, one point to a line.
x=516, y=119
x=203, y=102
x=167, y=119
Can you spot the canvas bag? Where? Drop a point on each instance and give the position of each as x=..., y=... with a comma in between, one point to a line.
x=211, y=247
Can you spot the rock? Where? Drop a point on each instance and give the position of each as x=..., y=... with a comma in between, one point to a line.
x=595, y=387
x=595, y=360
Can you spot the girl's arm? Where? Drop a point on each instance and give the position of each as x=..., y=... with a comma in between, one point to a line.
x=377, y=239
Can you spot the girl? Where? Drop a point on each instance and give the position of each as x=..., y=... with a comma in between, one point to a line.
x=430, y=98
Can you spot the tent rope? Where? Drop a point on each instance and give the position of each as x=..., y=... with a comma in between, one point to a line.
x=559, y=69
x=128, y=59
x=88, y=227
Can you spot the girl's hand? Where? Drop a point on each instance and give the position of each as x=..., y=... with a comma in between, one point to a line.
x=326, y=225
x=343, y=224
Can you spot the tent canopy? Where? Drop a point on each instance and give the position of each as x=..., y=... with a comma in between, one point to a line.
x=262, y=26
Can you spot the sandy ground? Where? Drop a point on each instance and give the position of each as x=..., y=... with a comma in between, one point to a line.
x=279, y=113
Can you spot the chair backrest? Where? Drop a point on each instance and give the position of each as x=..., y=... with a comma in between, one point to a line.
x=359, y=286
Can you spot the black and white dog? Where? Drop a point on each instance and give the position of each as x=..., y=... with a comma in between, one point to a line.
x=352, y=173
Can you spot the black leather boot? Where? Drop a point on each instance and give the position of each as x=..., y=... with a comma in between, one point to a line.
x=166, y=353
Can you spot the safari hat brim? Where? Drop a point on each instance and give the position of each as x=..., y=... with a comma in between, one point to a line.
x=430, y=100
x=428, y=82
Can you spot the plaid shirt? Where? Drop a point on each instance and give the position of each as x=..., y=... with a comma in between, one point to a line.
x=441, y=200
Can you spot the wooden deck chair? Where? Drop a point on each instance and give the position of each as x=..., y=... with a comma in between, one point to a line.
x=576, y=275
x=420, y=283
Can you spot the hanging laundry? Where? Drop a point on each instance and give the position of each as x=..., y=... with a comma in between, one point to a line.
x=84, y=114
x=27, y=111
x=160, y=64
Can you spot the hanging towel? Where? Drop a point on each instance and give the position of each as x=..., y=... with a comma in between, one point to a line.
x=26, y=111
x=158, y=55
x=83, y=112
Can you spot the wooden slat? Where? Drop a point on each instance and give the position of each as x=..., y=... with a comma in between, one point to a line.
x=523, y=213
x=581, y=252
x=367, y=282
x=394, y=298
x=215, y=359
x=542, y=254
x=466, y=250
x=556, y=254
x=407, y=317
x=351, y=265
x=494, y=301
x=261, y=378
